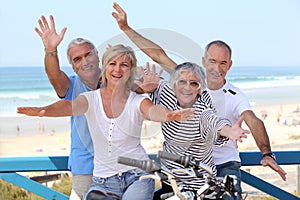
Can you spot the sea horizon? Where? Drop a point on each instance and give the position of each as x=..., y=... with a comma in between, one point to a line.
x=29, y=86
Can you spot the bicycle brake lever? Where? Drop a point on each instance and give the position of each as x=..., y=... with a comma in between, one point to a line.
x=204, y=188
x=152, y=176
x=205, y=167
x=188, y=171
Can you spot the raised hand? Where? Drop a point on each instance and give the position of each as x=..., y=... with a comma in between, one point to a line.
x=150, y=79
x=48, y=34
x=120, y=16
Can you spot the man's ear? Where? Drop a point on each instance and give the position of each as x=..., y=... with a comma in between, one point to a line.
x=230, y=64
x=203, y=61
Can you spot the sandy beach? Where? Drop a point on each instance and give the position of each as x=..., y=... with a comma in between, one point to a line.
x=35, y=136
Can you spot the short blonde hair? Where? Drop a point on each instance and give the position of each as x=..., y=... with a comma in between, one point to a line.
x=116, y=51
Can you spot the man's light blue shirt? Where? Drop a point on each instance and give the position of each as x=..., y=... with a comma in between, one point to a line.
x=81, y=159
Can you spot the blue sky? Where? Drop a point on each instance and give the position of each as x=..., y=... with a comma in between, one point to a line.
x=261, y=33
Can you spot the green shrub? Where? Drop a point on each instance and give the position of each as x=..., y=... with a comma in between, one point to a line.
x=9, y=191
x=64, y=186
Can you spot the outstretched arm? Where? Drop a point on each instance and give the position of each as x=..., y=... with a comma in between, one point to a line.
x=261, y=138
x=51, y=40
x=159, y=113
x=60, y=108
x=154, y=51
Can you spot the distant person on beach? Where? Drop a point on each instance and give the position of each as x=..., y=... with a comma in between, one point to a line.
x=52, y=133
x=264, y=114
x=18, y=130
x=228, y=100
x=278, y=117
x=83, y=56
x=115, y=117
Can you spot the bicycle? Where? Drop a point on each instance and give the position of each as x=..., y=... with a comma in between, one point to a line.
x=214, y=187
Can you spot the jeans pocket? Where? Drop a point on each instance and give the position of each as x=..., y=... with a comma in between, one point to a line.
x=98, y=181
x=138, y=172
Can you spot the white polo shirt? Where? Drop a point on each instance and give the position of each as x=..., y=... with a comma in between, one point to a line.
x=230, y=102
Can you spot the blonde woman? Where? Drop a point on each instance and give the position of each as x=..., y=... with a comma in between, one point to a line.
x=115, y=115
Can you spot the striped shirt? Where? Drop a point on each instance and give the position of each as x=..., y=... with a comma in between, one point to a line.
x=194, y=137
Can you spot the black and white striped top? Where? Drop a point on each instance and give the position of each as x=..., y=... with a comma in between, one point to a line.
x=194, y=137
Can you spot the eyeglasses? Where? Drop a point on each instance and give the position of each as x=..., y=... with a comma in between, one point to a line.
x=193, y=84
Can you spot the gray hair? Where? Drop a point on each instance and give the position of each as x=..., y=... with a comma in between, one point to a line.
x=79, y=41
x=116, y=51
x=193, y=69
x=218, y=43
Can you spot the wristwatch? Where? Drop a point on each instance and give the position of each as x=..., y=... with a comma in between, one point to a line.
x=272, y=155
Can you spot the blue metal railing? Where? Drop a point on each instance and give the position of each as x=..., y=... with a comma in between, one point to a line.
x=10, y=165
x=283, y=158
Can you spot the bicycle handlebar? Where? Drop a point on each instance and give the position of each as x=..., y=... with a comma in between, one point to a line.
x=183, y=160
x=186, y=161
x=149, y=166
x=226, y=185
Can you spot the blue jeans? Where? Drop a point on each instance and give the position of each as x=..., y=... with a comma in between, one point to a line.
x=125, y=186
x=231, y=168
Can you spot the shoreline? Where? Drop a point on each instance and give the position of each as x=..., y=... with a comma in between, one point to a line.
x=273, y=96
x=14, y=126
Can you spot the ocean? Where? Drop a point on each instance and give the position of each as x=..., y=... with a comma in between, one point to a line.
x=29, y=86
x=25, y=86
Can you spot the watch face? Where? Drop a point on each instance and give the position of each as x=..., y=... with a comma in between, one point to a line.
x=272, y=155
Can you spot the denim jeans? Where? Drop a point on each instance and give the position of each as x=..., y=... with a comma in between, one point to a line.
x=125, y=186
x=231, y=168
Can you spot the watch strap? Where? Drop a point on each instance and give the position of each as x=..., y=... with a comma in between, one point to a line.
x=272, y=155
